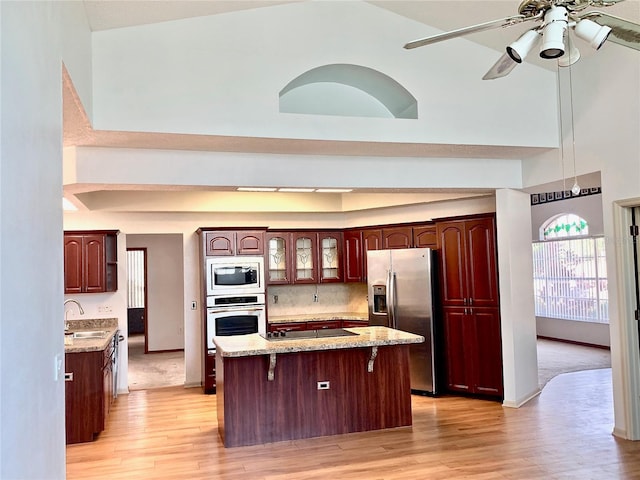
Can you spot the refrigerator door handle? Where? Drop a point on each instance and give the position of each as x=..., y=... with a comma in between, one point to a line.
x=392, y=295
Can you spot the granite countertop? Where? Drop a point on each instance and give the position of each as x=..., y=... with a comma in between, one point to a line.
x=254, y=344
x=318, y=317
x=91, y=344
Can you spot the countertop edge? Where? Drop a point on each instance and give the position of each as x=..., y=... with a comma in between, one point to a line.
x=254, y=344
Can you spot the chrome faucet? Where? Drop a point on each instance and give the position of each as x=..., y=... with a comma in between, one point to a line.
x=71, y=300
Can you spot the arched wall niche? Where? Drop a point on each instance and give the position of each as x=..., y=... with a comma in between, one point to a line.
x=347, y=90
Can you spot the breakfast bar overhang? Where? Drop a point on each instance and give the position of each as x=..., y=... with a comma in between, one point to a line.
x=270, y=390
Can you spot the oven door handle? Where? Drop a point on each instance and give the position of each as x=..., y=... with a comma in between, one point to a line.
x=235, y=309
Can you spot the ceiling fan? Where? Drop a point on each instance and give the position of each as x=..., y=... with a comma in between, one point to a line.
x=554, y=18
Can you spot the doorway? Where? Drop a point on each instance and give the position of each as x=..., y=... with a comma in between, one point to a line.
x=137, y=295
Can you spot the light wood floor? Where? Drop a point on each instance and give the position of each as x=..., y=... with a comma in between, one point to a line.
x=565, y=433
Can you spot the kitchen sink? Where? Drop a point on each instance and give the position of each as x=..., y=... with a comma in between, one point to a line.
x=91, y=334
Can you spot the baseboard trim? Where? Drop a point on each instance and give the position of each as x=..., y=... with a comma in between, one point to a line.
x=166, y=351
x=519, y=403
x=193, y=385
x=574, y=342
x=620, y=433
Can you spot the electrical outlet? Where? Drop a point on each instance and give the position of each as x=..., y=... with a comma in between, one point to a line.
x=323, y=385
x=275, y=299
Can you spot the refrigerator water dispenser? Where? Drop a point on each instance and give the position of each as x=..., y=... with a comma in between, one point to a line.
x=380, y=299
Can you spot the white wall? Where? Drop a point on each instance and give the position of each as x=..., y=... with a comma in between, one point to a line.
x=32, y=409
x=607, y=122
x=222, y=74
x=165, y=289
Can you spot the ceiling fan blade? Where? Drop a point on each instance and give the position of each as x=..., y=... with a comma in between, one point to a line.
x=501, y=68
x=623, y=32
x=501, y=22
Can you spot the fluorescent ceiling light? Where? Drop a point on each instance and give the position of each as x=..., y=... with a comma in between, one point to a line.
x=334, y=190
x=256, y=189
x=67, y=205
x=297, y=190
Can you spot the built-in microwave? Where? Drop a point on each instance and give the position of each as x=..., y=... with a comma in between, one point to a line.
x=235, y=275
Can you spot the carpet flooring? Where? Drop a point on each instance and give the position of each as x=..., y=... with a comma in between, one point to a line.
x=157, y=370
x=153, y=370
x=555, y=358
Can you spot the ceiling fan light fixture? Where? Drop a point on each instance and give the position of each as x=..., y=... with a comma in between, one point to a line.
x=519, y=49
x=592, y=33
x=555, y=24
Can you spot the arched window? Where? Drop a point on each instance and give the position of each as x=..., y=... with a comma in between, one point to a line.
x=570, y=271
x=564, y=225
x=347, y=90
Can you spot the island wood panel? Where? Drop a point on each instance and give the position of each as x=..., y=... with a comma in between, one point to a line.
x=253, y=410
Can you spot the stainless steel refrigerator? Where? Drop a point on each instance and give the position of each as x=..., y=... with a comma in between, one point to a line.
x=400, y=296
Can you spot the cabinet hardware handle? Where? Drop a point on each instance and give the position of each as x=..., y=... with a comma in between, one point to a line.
x=68, y=377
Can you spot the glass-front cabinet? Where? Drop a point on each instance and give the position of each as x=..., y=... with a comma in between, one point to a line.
x=330, y=251
x=305, y=246
x=304, y=257
x=278, y=265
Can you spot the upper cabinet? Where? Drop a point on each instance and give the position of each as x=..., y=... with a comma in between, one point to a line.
x=425, y=237
x=468, y=262
x=305, y=257
x=299, y=257
x=330, y=246
x=90, y=262
x=353, y=256
x=397, y=237
x=234, y=242
x=278, y=258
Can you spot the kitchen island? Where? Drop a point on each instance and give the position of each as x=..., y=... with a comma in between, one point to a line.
x=347, y=380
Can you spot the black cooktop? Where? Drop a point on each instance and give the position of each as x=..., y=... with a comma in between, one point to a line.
x=302, y=334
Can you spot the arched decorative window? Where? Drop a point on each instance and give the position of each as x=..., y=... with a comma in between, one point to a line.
x=347, y=90
x=565, y=225
x=570, y=271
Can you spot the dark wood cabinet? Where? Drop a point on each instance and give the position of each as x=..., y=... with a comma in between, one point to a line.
x=468, y=262
x=371, y=240
x=324, y=324
x=316, y=325
x=234, y=242
x=330, y=256
x=354, y=323
x=473, y=350
x=299, y=257
x=278, y=269
x=90, y=262
x=353, y=253
x=425, y=237
x=209, y=382
x=470, y=305
x=397, y=237
x=304, y=246
x=88, y=393
x=287, y=327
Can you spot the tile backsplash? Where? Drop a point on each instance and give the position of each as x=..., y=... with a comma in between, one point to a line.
x=332, y=298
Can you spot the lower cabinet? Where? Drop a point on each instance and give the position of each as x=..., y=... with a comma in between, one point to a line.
x=473, y=350
x=209, y=372
x=89, y=393
x=316, y=325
